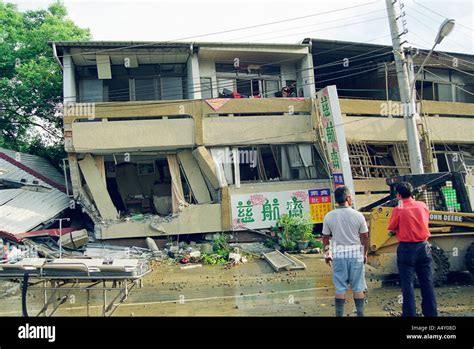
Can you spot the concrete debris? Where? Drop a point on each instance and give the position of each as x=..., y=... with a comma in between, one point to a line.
x=48, y=248
x=74, y=239
x=12, y=252
x=98, y=250
x=191, y=266
x=195, y=254
x=283, y=262
x=152, y=245
x=253, y=248
x=9, y=289
x=237, y=258
x=298, y=265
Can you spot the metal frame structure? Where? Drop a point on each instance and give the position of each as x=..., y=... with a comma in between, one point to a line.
x=88, y=275
x=55, y=299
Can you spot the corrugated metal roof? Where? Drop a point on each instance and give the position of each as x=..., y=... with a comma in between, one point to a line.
x=37, y=164
x=22, y=210
x=168, y=44
x=25, y=210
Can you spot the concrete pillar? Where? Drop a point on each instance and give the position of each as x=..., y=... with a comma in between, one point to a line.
x=193, y=77
x=69, y=80
x=307, y=76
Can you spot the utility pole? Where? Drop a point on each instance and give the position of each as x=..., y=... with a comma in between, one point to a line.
x=405, y=86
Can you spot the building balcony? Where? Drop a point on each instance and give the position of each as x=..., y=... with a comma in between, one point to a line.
x=161, y=125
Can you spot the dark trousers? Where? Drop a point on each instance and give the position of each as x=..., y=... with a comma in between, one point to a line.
x=415, y=257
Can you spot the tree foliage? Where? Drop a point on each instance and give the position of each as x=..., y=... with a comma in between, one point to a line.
x=30, y=78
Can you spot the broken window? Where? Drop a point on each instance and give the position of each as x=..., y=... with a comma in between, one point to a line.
x=378, y=160
x=279, y=162
x=453, y=161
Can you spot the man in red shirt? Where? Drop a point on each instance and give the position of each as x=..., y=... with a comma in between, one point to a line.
x=410, y=223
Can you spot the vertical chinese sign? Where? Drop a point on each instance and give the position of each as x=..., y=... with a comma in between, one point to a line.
x=262, y=210
x=335, y=138
x=319, y=204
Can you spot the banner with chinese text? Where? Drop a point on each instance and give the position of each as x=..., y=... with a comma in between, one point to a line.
x=334, y=138
x=262, y=210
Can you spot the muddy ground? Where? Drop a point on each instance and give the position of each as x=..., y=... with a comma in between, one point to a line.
x=252, y=289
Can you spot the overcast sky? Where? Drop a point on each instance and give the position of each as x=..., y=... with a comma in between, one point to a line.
x=159, y=20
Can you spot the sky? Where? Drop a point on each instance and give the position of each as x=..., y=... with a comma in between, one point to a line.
x=159, y=20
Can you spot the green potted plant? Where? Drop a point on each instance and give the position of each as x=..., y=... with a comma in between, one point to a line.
x=304, y=233
x=293, y=233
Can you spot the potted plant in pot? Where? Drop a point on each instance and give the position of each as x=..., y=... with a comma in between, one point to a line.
x=304, y=233
x=293, y=233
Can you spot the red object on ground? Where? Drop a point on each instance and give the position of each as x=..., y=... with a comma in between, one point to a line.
x=45, y=232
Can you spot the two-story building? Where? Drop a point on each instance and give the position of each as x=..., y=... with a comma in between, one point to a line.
x=179, y=138
x=172, y=138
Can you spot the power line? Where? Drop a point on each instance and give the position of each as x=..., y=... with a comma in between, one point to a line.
x=323, y=29
x=126, y=92
x=450, y=82
x=223, y=31
x=308, y=25
x=192, y=88
x=444, y=17
x=140, y=105
x=465, y=62
x=434, y=31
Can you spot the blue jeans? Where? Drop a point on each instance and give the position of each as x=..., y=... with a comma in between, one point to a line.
x=415, y=257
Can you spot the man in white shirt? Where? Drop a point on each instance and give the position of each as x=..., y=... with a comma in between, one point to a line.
x=348, y=231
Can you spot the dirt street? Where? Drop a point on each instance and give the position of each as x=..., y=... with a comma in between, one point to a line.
x=252, y=289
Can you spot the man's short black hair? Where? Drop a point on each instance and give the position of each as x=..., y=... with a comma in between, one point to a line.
x=341, y=194
x=405, y=190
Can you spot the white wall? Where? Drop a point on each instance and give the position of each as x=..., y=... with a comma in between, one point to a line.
x=69, y=80
x=193, y=78
x=306, y=76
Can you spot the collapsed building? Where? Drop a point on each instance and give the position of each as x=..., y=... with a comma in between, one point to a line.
x=182, y=138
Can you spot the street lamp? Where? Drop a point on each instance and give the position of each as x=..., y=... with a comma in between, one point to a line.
x=444, y=30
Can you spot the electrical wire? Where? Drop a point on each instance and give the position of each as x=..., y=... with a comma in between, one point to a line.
x=450, y=82
x=436, y=13
x=231, y=84
x=307, y=25
x=125, y=92
x=151, y=44
x=434, y=31
x=323, y=29
x=428, y=47
x=140, y=105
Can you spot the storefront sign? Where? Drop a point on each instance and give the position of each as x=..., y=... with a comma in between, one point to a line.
x=334, y=137
x=262, y=210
